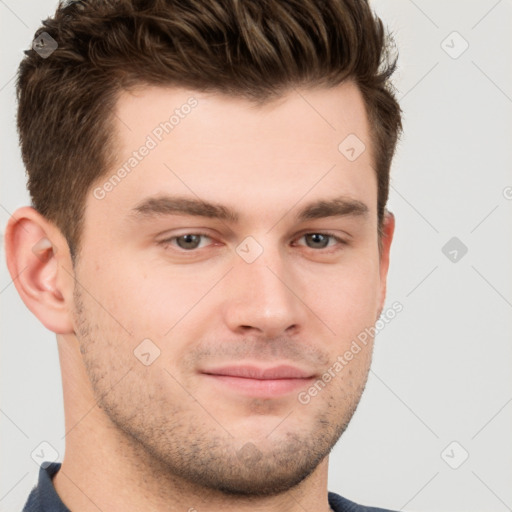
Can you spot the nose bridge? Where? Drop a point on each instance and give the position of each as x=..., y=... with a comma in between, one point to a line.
x=260, y=295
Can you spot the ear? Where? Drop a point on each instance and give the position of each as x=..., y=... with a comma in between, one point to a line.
x=388, y=229
x=40, y=265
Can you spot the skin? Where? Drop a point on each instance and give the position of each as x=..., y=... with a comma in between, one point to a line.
x=166, y=436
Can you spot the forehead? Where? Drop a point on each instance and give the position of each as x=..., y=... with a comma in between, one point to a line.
x=298, y=115
x=231, y=151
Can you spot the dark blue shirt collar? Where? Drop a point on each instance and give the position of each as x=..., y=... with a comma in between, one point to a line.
x=44, y=497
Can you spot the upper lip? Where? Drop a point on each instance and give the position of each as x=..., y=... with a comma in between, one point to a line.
x=254, y=372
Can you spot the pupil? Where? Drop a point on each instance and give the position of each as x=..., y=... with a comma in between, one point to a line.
x=188, y=241
x=318, y=240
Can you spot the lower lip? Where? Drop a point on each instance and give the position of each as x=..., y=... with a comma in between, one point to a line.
x=261, y=387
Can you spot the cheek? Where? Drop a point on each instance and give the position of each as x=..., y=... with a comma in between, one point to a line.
x=345, y=298
x=148, y=299
x=151, y=299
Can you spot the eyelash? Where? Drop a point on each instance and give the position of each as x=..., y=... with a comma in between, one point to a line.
x=328, y=249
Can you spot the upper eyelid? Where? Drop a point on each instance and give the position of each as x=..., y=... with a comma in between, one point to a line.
x=338, y=238
x=319, y=232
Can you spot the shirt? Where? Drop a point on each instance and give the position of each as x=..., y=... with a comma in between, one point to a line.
x=44, y=497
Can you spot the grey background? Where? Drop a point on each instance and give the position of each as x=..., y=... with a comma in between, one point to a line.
x=441, y=369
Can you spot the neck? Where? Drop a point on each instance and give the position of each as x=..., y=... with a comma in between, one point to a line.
x=105, y=468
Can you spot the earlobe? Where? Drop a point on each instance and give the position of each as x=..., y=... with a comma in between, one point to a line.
x=35, y=252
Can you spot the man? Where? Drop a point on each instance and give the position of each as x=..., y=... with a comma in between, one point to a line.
x=207, y=239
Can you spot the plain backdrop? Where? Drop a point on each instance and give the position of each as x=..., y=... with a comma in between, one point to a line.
x=433, y=430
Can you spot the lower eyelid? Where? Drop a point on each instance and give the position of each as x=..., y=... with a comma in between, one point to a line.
x=173, y=241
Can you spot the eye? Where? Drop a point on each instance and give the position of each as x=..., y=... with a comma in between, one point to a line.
x=188, y=241
x=320, y=240
x=192, y=241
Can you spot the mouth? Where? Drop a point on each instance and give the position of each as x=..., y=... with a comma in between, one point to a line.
x=260, y=382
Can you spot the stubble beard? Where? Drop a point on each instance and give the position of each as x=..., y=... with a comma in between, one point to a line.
x=178, y=441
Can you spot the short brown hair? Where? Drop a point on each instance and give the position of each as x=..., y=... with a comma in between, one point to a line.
x=256, y=49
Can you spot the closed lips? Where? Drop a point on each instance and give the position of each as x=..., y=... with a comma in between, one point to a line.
x=254, y=372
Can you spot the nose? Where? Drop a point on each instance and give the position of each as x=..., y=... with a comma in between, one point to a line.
x=263, y=298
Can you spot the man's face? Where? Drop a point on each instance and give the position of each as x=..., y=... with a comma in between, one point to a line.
x=204, y=328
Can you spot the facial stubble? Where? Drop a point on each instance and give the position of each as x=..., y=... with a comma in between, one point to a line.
x=176, y=439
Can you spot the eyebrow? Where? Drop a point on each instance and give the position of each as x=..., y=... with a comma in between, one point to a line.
x=171, y=205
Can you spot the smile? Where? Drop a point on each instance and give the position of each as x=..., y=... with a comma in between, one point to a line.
x=260, y=382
